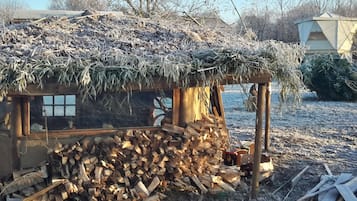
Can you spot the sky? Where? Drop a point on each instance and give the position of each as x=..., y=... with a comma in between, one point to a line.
x=225, y=8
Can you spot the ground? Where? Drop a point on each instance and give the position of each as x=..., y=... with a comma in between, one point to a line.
x=313, y=133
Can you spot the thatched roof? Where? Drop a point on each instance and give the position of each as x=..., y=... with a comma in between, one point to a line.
x=100, y=53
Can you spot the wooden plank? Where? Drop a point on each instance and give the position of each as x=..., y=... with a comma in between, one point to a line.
x=154, y=183
x=267, y=116
x=258, y=140
x=327, y=169
x=176, y=106
x=298, y=176
x=45, y=190
x=346, y=193
x=52, y=88
x=84, y=132
x=15, y=131
x=220, y=103
x=173, y=129
x=26, y=116
x=199, y=184
x=16, y=117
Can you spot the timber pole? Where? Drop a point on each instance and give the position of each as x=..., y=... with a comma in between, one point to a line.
x=176, y=97
x=26, y=115
x=16, y=130
x=258, y=140
x=267, y=116
x=16, y=118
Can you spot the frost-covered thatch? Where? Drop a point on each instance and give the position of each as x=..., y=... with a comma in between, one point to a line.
x=101, y=53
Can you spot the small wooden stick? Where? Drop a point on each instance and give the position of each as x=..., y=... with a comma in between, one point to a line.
x=193, y=19
x=327, y=169
x=298, y=176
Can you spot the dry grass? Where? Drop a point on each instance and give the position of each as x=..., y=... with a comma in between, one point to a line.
x=102, y=53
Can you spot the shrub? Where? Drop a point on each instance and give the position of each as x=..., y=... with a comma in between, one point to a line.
x=330, y=77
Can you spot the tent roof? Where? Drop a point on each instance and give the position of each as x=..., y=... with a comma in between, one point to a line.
x=103, y=52
x=327, y=16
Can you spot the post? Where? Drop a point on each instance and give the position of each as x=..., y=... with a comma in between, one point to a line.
x=16, y=119
x=218, y=92
x=267, y=116
x=258, y=140
x=176, y=106
x=16, y=130
x=193, y=102
x=26, y=116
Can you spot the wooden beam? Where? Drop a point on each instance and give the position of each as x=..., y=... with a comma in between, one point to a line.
x=267, y=116
x=176, y=106
x=220, y=102
x=15, y=131
x=193, y=103
x=45, y=190
x=26, y=116
x=16, y=119
x=258, y=140
x=52, y=88
x=53, y=134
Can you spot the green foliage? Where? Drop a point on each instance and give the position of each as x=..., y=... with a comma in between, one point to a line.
x=328, y=76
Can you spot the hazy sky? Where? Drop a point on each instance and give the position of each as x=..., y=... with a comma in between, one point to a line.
x=225, y=8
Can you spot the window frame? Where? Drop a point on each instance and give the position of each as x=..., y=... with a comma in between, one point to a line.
x=53, y=105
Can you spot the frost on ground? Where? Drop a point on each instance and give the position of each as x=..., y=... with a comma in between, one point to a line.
x=313, y=133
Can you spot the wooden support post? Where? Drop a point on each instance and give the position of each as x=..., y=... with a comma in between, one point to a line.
x=16, y=130
x=176, y=106
x=26, y=116
x=220, y=102
x=193, y=103
x=267, y=116
x=16, y=120
x=258, y=140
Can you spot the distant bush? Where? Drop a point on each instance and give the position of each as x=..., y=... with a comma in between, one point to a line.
x=330, y=77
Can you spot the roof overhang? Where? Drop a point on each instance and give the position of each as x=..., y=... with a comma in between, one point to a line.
x=53, y=88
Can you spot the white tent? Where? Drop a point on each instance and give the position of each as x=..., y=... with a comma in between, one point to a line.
x=327, y=33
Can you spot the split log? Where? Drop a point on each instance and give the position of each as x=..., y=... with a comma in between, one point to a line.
x=222, y=184
x=45, y=190
x=119, y=166
x=155, y=182
x=199, y=184
x=142, y=190
x=22, y=182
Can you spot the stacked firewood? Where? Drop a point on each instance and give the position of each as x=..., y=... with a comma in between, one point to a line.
x=141, y=164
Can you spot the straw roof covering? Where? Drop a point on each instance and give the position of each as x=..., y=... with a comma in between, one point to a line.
x=104, y=52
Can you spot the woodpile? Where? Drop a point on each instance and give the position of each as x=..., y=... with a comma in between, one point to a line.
x=142, y=164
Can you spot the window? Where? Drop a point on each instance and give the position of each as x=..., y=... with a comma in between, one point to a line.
x=317, y=36
x=59, y=106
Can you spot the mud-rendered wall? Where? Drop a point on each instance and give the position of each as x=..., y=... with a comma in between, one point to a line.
x=6, y=154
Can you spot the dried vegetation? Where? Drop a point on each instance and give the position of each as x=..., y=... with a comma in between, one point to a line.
x=101, y=53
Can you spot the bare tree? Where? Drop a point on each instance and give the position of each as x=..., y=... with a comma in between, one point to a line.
x=58, y=5
x=144, y=8
x=79, y=5
x=8, y=8
x=345, y=8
